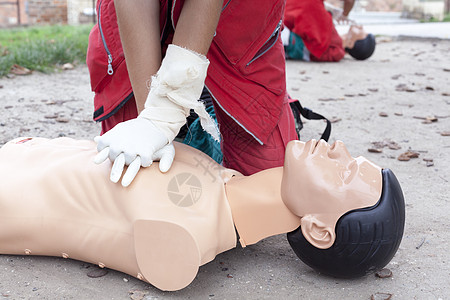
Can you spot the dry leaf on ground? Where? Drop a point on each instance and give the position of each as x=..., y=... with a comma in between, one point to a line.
x=19, y=70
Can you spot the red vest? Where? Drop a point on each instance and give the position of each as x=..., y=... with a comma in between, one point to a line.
x=246, y=75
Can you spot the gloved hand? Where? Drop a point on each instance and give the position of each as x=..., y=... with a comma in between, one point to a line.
x=174, y=90
x=135, y=143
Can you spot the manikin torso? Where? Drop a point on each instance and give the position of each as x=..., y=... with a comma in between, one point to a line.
x=70, y=204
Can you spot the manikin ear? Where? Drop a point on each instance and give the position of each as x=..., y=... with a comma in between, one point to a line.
x=316, y=232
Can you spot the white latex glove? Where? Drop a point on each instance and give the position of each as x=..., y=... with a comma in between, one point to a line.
x=135, y=143
x=174, y=90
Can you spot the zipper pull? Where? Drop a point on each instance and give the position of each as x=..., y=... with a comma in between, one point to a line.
x=110, y=69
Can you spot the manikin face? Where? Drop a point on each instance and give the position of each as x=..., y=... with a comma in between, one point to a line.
x=357, y=31
x=325, y=181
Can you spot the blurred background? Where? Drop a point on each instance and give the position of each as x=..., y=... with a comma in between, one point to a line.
x=74, y=12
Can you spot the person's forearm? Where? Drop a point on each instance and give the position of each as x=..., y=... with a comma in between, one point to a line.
x=139, y=32
x=197, y=24
x=348, y=5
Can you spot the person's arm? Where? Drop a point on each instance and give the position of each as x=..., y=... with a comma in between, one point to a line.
x=139, y=32
x=176, y=84
x=343, y=17
x=138, y=22
x=197, y=24
x=348, y=5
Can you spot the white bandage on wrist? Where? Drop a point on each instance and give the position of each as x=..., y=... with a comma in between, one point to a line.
x=176, y=89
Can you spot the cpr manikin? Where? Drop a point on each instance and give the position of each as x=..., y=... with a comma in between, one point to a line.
x=55, y=201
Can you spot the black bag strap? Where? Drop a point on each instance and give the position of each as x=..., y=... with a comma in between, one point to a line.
x=310, y=115
x=168, y=23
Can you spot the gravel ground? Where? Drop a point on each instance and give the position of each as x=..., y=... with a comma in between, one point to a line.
x=398, y=98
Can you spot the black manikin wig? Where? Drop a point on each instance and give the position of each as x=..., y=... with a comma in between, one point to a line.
x=363, y=49
x=366, y=239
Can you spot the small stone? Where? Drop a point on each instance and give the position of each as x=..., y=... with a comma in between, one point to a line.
x=404, y=88
x=375, y=150
x=398, y=114
x=330, y=99
x=445, y=133
x=412, y=154
x=335, y=120
x=125, y=279
x=96, y=273
x=383, y=114
x=137, y=295
x=408, y=155
x=384, y=273
x=67, y=66
x=393, y=146
x=429, y=164
x=62, y=120
x=403, y=157
x=229, y=276
x=381, y=296
x=429, y=88
x=379, y=145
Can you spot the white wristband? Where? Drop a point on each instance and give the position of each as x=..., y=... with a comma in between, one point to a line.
x=175, y=89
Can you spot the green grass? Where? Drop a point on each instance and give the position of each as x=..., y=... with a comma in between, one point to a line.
x=432, y=19
x=446, y=18
x=43, y=48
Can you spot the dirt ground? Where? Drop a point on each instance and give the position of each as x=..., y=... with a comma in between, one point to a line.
x=399, y=97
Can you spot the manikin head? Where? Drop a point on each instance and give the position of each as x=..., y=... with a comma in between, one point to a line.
x=352, y=212
x=364, y=44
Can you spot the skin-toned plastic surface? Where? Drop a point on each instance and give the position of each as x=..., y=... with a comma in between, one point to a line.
x=323, y=182
x=258, y=210
x=318, y=184
x=55, y=201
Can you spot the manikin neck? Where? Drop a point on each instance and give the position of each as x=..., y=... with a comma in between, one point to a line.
x=257, y=208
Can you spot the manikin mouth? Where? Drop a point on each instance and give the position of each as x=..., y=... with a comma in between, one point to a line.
x=315, y=143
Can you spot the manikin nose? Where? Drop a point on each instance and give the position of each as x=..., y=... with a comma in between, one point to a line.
x=339, y=152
